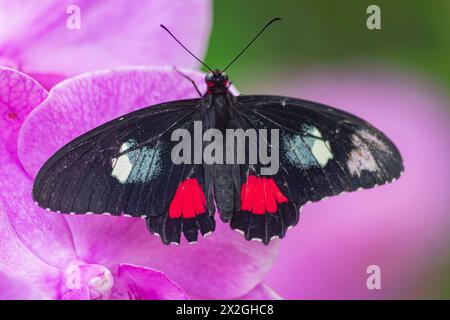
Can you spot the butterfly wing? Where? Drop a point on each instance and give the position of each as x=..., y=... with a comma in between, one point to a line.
x=322, y=152
x=125, y=167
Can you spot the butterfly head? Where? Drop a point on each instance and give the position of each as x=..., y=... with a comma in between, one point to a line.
x=217, y=82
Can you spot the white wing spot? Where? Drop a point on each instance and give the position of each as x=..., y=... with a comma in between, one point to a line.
x=122, y=166
x=374, y=140
x=321, y=148
x=360, y=158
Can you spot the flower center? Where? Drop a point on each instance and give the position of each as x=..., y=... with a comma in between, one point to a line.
x=88, y=281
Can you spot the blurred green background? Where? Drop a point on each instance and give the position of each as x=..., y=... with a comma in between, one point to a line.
x=415, y=36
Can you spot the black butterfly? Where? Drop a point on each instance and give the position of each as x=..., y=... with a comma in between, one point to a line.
x=126, y=167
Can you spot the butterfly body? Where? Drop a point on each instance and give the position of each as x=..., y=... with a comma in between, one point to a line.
x=127, y=166
x=218, y=104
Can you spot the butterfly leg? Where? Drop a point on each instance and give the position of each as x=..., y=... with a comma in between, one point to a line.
x=189, y=79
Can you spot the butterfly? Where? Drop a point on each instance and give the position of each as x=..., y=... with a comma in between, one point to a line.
x=127, y=166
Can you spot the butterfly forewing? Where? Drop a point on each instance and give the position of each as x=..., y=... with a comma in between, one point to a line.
x=327, y=150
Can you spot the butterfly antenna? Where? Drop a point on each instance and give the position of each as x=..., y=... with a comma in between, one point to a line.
x=165, y=28
x=253, y=40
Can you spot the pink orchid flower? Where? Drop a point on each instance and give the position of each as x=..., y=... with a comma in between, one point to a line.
x=401, y=227
x=49, y=256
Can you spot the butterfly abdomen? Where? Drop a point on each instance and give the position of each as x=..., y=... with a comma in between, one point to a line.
x=226, y=190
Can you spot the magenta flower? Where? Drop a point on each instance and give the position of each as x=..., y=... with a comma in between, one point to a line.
x=50, y=256
x=401, y=227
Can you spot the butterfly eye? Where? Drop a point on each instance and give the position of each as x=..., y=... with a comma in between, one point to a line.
x=225, y=76
x=209, y=77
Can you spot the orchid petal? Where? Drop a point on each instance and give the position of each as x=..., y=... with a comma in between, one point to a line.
x=223, y=265
x=19, y=94
x=17, y=289
x=17, y=261
x=61, y=37
x=45, y=235
x=30, y=239
x=139, y=283
x=229, y=265
x=261, y=292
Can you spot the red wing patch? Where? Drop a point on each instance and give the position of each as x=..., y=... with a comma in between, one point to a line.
x=260, y=195
x=189, y=200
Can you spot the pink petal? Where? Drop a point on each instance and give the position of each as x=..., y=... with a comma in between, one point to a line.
x=17, y=289
x=19, y=95
x=35, y=36
x=261, y=292
x=222, y=266
x=402, y=227
x=138, y=283
x=42, y=234
x=17, y=261
x=30, y=239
